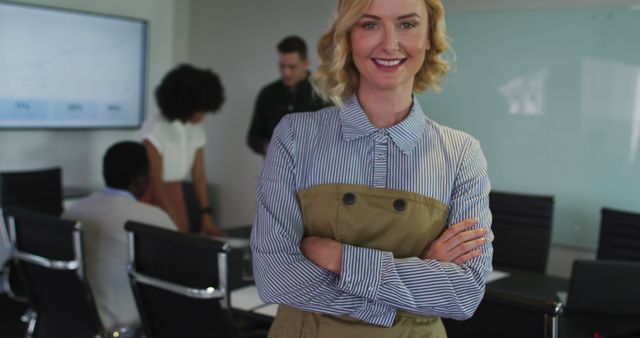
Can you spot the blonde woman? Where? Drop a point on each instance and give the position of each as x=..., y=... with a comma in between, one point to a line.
x=372, y=219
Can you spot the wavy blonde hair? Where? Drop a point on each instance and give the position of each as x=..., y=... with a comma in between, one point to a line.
x=337, y=77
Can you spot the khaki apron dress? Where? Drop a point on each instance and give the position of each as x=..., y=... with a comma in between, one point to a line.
x=402, y=222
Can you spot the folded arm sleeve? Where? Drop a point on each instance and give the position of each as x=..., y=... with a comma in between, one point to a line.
x=427, y=286
x=282, y=274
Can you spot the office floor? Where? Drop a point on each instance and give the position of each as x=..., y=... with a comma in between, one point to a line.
x=10, y=313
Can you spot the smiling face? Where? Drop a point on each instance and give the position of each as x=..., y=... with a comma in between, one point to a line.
x=388, y=44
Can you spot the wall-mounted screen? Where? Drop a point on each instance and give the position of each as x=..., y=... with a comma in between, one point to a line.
x=67, y=69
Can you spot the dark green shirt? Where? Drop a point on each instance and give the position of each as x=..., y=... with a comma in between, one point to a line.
x=275, y=101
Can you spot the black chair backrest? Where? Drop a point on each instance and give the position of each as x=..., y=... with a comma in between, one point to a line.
x=605, y=286
x=48, y=254
x=38, y=190
x=522, y=229
x=179, y=281
x=619, y=235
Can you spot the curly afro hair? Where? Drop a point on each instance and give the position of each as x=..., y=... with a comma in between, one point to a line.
x=123, y=163
x=187, y=90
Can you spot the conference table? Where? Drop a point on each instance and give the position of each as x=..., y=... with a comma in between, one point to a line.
x=247, y=301
x=528, y=304
x=517, y=303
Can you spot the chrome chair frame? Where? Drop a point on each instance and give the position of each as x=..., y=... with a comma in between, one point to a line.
x=222, y=292
x=551, y=309
x=212, y=291
x=72, y=265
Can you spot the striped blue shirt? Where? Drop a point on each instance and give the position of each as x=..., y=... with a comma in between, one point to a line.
x=340, y=145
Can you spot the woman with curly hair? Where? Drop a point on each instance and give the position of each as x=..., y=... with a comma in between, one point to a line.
x=175, y=140
x=372, y=219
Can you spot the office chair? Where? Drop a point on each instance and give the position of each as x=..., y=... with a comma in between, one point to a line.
x=48, y=255
x=12, y=308
x=522, y=229
x=602, y=299
x=508, y=314
x=619, y=235
x=605, y=286
x=240, y=256
x=38, y=190
x=10, y=281
x=180, y=283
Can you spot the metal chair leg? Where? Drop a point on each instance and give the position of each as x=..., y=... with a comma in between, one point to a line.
x=30, y=317
x=550, y=326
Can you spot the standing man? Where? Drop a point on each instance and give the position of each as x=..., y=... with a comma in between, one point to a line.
x=291, y=93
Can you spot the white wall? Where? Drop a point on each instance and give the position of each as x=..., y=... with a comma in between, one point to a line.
x=79, y=153
x=237, y=39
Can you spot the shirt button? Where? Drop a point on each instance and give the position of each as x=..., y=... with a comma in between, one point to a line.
x=349, y=198
x=399, y=204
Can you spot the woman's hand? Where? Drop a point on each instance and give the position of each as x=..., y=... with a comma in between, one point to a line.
x=208, y=227
x=324, y=252
x=458, y=243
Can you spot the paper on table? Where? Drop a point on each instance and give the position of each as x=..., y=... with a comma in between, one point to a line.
x=495, y=275
x=269, y=310
x=246, y=298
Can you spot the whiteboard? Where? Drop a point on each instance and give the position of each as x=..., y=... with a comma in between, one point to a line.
x=554, y=98
x=67, y=69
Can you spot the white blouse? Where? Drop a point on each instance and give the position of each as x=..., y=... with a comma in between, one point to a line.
x=177, y=142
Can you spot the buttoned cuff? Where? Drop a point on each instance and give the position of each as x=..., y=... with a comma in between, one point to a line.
x=361, y=269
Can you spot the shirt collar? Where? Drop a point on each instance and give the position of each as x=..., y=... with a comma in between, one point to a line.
x=118, y=192
x=405, y=135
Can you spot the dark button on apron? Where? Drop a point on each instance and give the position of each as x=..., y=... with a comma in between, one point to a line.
x=349, y=198
x=399, y=205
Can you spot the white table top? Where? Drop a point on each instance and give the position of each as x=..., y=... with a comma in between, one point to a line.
x=246, y=298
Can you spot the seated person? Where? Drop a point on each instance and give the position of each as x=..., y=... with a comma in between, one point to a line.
x=103, y=215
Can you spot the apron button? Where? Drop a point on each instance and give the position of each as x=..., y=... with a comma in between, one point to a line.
x=399, y=205
x=349, y=198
